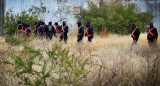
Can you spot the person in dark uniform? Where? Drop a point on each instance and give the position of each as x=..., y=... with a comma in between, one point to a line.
x=57, y=27
x=24, y=27
x=50, y=30
x=38, y=26
x=41, y=29
x=35, y=30
x=64, y=32
x=20, y=27
x=80, y=34
x=135, y=33
x=89, y=32
x=152, y=34
x=45, y=29
x=28, y=30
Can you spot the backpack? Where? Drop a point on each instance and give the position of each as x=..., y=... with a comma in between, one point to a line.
x=50, y=28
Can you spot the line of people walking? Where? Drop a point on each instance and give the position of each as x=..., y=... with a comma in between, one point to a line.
x=56, y=30
x=152, y=34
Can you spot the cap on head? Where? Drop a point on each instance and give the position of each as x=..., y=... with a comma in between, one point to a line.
x=64, y=23
x=42, y=23
x=151, y=24
x=79, y=23
x=87, y=24
x=56, y=23
x=18, y=22
x=50, y=23
x=35, y=23
x=27, y=25
x=132, y=26
x=24, y=23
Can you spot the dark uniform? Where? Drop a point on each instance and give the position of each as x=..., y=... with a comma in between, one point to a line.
x=20, y=27
x=80, y=34
x=89, y=32
x=38, y=26
x=135, y=33
x=45, y=29
x=41, y=29
x=35, y=30
x=57, y=27
x=50, y=30
x=64, y=32
x=24, y=27
x=28, y=30
x=152, y=34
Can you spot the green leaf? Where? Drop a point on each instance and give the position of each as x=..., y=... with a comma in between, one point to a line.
x=6, y=62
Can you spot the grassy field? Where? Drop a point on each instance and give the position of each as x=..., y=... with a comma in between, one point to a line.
x=118, y=64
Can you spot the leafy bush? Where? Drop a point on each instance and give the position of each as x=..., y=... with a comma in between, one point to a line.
x=9, y=22
x=38, y=11
x=115, y=16
x=13, y=40
x=35, y=69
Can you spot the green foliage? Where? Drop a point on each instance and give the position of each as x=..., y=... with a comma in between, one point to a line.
x=62, y=7
x=20, y=39
x=58, y=65
x=115, y=16
x=9, y=22
x=38, y=11
x=13, y=40
x=68, y=67
x=6, y=62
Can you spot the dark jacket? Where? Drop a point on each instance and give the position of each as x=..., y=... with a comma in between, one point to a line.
x=28, y=31
x=50, y=28
x=58, y=28
x=65, y=29
x=89, y=31
x=153, y=31
x=38, y=25
x=45, y=28
x=81, y=31
x=135, y=33
x=20, y=27
x=41, y=29
x=24, y=26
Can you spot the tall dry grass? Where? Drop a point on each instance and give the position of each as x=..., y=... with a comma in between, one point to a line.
x=114, y=62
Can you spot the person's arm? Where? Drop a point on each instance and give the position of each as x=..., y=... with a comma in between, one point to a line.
x=138, y=32
x=86, y=32
x=28, y=31
x=66, y=29
x=19, y=27
x=41, y=30
x=147, y=33
x=54, y=31
x=82, y=31
x=92, y=32
x=156, y=34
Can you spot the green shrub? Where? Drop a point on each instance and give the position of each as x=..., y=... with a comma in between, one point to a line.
x=9, y=22
x=13, y=40
x=35, y=69
x=115, y=16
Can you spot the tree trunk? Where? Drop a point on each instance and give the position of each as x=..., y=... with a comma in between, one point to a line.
x=2, y=9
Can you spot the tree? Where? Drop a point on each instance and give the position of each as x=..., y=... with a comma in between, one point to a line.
x=115, y=16
x=38, y=11
x=62, y=11
x=9, y=22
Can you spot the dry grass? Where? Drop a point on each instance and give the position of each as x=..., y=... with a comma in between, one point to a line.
x=119, y=65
